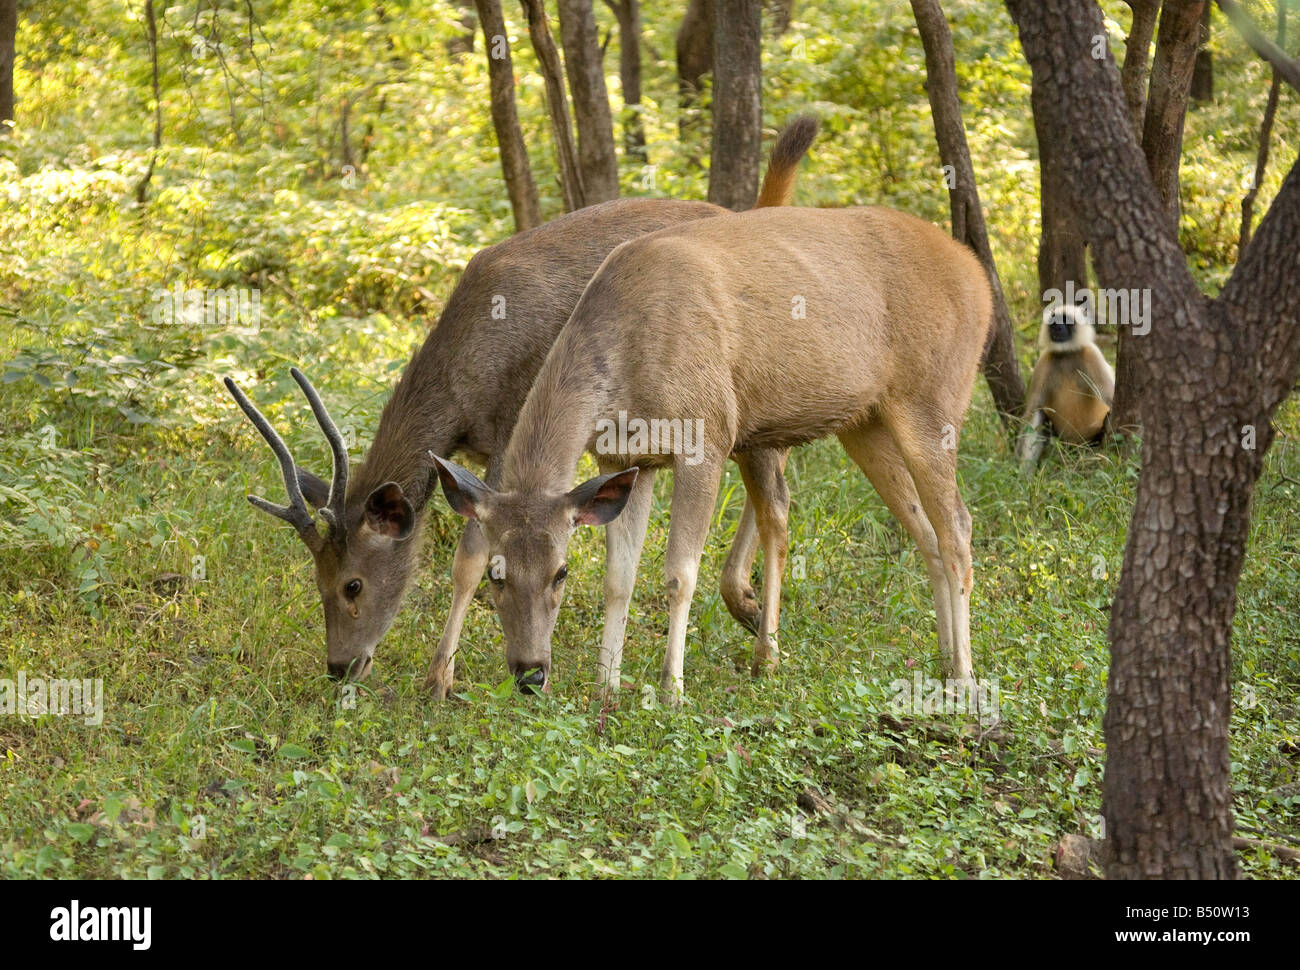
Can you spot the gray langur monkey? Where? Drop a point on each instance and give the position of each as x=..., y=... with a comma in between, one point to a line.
x=1071, y=389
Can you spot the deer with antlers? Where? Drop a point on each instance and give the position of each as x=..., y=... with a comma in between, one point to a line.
x=461, y=393
x=771, y=328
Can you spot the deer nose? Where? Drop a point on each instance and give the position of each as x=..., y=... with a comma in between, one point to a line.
x=531, y=678
x=338, y=670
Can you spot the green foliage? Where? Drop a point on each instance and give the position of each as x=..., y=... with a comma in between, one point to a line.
x=128, y=553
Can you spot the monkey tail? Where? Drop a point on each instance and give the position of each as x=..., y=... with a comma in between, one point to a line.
x=783, y=167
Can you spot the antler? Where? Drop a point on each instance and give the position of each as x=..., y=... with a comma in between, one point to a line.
x=296, y=513
x=334, y=508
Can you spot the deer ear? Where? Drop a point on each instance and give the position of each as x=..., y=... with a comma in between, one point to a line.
x=315, y=491
x=389, y=513
x=600, y=500
x=465, y=493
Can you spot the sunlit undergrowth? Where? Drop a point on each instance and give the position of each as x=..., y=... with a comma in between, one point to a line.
x=128, y=553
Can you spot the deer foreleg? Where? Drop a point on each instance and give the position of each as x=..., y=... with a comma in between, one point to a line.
x=624, y=538
x=695, y=488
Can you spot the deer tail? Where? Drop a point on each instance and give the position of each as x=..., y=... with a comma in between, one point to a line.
x=783, y=167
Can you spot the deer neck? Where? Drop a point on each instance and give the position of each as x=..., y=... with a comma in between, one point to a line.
x=556, y=423
x=415, y=421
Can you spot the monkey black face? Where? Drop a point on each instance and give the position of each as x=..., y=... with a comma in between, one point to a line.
x=1060, y=329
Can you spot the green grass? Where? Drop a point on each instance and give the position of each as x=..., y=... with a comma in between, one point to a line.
x=225, y=752
x=217, y=707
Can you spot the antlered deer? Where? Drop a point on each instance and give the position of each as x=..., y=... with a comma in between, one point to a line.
x=696, y=322
x=461, y=393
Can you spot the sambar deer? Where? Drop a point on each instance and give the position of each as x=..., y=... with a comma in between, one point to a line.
x=461, y=393
x=772, y=328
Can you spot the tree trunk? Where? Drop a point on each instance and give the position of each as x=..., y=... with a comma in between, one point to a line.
x=1162, y=144
x=557, y=105
x=1001, y=369
x=1203, y=69
x=8, y=38
x=464, y=44
x=582, y=59
x=151, y=33
x=1217, y=372
x=694, y=60
x=515, y=169
x=628, y=13
x=1137, y=53
x=737, y=103
x=1171, y=79
x=780, y=12
x=1265, y=133
x=1062, y=250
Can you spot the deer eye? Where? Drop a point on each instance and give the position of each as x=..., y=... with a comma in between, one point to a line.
x=559, y=576
x=353, y=589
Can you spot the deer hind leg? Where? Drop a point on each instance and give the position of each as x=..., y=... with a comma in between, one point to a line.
x=466, y=571
x=764, y=476
x=624, y=538
x=695, y=488
x=928, y=448
x=874, y=450
x=737, y=593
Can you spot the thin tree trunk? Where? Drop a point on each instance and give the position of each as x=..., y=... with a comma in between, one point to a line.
x=464, y=44
x=151, y=31
x=1265, y=133
x=1162, y=143
x=628, y=13
x=737, y=103
x=1217, y=372
x=1001, y=369
x=515, y=169
x=780, y=12
x=1203, y=69
x=8, y=40
x=582, y=58
x=1137, y=54
x=1062, y=249
x=557, y=105
x=1177, y=42
x=694, y=60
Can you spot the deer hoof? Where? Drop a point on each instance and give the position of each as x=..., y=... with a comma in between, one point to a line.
x=744, y=607
x=437, y=687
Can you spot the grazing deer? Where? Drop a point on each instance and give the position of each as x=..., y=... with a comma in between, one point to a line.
x=461, y=393
x=772, y=328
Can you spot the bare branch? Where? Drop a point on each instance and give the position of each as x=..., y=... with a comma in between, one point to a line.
x=1287, y=67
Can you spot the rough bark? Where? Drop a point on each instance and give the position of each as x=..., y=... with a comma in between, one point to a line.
x=582, y=59
x=1001, y=369
x=737, y=103
x=515, y=169
x=1265, y=133
x=694, y=60
x=628, y=13
x=1137, y=54
x=1062, y=249
x=1177, y=42
x=557, y=104
x=1215, y=367
x=8, y=39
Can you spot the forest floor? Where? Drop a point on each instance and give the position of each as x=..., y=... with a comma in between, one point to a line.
x=129, y=556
